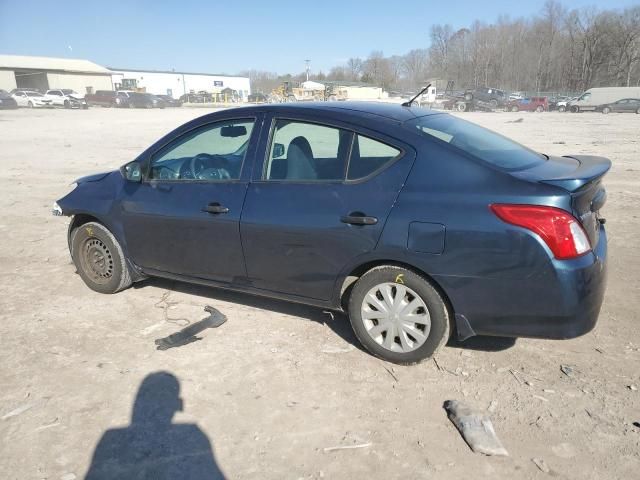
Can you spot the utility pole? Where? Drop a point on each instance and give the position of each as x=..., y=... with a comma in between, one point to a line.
x=307, y=67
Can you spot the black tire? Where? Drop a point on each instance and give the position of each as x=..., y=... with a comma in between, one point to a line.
x=436, y=306
x=575, y=109
x=606, y=110
x=30, y=104
x=494, y=103
x=461, y=107
x=514, y=108
x=539, y=109
x=99, y=259
x=562, y=108
x=67, y=104
x=638, y=111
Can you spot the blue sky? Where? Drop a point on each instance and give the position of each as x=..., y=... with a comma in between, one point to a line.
x=230, y=36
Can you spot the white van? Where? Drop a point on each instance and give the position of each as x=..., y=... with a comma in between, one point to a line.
x=595, y=97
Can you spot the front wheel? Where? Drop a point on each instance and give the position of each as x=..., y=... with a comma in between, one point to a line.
x=539, y=109
x=514, y=109
x=30, y=104
x=67, y=104
x=398, y=315
x=606, y=110
x=99, y=259
x=561, y=108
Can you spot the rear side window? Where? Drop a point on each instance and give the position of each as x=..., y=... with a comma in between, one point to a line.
x=307, y=152
x=369, y=155
x=479, y=142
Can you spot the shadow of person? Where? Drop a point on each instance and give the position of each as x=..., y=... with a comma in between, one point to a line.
x=153, y=447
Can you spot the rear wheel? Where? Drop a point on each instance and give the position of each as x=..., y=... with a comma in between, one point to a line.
x=514, y=108
x=99, y=258
x=462, y=107
x=494, y=103
x=606, y=110
x=638, y=111
x=30, y=104
x=539, y=109
x=575, y=109
x=398, y=315
x=562, y=108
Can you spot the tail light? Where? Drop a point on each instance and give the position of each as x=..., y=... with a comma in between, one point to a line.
x=560, y=230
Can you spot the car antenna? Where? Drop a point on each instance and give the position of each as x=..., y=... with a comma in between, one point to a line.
x=408, y=104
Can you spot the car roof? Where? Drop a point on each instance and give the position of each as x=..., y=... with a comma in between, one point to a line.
x=386, y=111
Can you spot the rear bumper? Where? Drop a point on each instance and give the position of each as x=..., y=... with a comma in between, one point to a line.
x=564, y=304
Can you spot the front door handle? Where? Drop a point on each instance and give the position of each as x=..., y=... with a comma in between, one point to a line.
x=357, y=218
x=215, y=208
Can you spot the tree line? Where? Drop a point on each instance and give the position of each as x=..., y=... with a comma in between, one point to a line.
x=557, y=50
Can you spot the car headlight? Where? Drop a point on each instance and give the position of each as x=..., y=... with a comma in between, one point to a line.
x=56, y=210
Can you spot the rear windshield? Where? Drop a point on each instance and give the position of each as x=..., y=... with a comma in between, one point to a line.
x=484, y=144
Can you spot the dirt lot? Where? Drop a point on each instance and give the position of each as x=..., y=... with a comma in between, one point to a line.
x=279, y=383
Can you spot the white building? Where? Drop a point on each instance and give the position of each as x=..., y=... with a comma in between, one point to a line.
x=177, y=84
x=44, y=73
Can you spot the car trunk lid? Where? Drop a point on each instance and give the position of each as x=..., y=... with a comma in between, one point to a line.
x=581, y=176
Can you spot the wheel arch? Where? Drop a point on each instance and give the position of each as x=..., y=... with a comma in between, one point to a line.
x=346, y=283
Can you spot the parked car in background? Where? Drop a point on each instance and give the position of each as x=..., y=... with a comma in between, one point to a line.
x=144, y=100
x=30, y=99
x=563, y=104
x=593, y=98
x=66, y=98
x=417, y=223
x=516, y=96
x=529, y=104
x=106, y=98
x=626, y=105
x=7, y=101
x=200, y=97
x=169, y=101
x=495, y=97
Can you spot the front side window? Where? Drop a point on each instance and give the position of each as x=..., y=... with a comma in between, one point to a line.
x=307, y=152
x=212, y=153
x=479, y=142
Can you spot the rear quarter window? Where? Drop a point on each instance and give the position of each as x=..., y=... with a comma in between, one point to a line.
x=368, y=156
x=477, y=141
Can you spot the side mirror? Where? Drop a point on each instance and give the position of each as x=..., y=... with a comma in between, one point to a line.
x=132, y=172
x=278, y=150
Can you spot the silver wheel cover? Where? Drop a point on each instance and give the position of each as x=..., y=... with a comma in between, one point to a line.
x=395, y=317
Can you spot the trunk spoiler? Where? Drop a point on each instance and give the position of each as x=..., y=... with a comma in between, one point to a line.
x=589, y=169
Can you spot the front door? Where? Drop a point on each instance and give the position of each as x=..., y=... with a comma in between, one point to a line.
x=184, y=217
x=320, y=201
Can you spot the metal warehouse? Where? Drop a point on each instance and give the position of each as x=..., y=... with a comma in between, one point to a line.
x=179, y=83
x=43, y=73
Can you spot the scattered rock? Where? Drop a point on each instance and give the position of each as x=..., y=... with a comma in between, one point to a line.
x=567, y=370
x=541, y=464
x=561, y=142
x=334, y=349
x=548, y=390
x=633, y=388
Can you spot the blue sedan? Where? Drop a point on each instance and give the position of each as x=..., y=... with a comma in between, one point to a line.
x=418, y=224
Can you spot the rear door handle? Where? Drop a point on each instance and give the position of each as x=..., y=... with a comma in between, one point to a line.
x=215, y=208
x=358, y=219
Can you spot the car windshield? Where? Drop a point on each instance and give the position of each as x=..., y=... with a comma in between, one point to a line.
x=483, y=144
x=68, y=92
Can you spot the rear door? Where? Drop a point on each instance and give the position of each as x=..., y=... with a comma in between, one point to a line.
x=184, y=218
x=317, y=203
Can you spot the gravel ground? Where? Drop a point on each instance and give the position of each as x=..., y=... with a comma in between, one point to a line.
x=279, y=383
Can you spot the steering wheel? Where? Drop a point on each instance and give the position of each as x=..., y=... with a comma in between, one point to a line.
x=201, y=169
